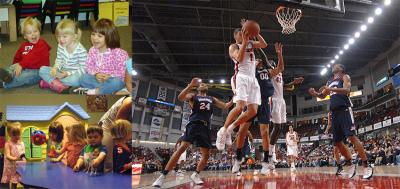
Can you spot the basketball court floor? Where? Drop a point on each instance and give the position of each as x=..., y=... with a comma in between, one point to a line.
x=309, y=178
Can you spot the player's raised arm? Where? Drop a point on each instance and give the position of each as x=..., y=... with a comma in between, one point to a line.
x=237, y=53
x=186, y=93
x=281, y=64
x=260, y=43
x=221, y=104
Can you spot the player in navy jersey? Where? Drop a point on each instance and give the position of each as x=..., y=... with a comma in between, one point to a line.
x=197, y=130
x=343, y=126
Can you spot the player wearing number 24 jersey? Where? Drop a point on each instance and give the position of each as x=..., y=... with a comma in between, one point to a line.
x=197, y=131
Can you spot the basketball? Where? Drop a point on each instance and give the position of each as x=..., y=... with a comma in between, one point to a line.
x=325, y=92
x=252, y=28
x=38, y=137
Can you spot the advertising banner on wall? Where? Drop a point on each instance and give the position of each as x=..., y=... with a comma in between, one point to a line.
x=155, y=127
x=162, y=93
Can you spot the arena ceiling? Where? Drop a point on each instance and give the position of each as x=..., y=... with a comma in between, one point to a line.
x=176, y=40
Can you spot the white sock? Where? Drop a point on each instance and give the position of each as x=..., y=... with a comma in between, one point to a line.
x=91, y=92
x=293, y=165
x=272, y=149
x=229, y=129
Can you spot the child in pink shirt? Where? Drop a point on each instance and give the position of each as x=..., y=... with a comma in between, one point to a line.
x=105, y=65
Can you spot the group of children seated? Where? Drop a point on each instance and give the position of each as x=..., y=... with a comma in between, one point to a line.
x=81, y=150
x=104, y=69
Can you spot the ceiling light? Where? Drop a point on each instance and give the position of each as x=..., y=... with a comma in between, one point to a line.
x=388, y=2
x=341, y=52
x=363, y=27
x=332, y=61
x=211, y=81
x=346, y=46
x=223, y=81
x=323, y=72
x=351, y=41
x=378, y=11
x=200, y=80
x=134, y=73
x=328, y=65
x=370, y=20
x=357, y=35
x=336, y=57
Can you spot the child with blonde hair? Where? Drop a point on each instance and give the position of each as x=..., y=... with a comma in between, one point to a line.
x=31, y=55
x=121, y=132
x=106, y=63
x=69, y=65
x=14, y=150
x=76, y=136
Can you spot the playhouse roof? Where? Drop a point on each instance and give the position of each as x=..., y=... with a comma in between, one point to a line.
x=41, y=113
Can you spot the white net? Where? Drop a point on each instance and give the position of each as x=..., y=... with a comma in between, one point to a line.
x=288, y=18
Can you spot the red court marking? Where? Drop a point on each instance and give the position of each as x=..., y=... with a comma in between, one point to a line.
x=295, y=181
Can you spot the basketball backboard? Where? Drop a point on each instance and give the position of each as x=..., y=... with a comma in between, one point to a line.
x=335, y=6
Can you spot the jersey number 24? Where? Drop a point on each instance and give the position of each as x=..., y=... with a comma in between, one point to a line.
x=204, y=106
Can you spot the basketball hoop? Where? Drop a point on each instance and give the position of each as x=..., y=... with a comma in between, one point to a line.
x=288, y=18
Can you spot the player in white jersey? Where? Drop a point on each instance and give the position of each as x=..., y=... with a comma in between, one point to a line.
x=278, y=104
x=292, y=151
x=245, y=88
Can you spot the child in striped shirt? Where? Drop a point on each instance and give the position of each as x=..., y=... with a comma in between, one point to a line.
x=70, y=62
x=105, y=65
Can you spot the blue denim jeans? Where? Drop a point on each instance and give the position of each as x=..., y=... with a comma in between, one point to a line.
x=27, y=77
x=72, y=80
x=112, y=85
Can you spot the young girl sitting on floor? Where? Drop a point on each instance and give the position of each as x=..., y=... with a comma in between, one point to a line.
x=14, y=150
x=70, y=62
x=105, y=65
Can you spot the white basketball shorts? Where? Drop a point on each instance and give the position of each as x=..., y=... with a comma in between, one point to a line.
x=246, y=88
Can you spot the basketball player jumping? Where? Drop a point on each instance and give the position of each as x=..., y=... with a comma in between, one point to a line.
x=291, y=142
x=244, y=85
x=342, y=118
x=265, y=69
x=198, y=128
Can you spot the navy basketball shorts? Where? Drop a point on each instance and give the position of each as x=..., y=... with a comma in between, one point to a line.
x=263, y=112
x=198, y=133
x=342, y=124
